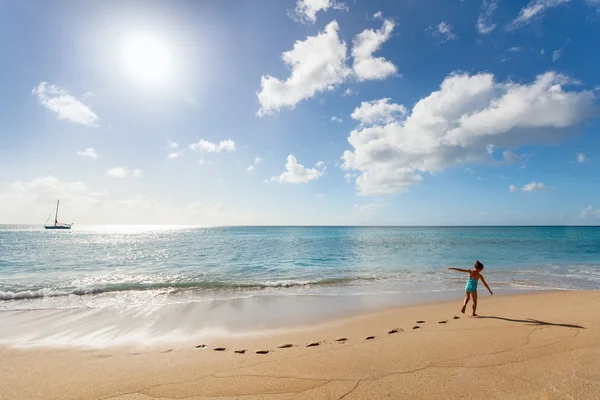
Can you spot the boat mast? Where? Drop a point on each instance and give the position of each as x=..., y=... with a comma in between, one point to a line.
x=56, y=217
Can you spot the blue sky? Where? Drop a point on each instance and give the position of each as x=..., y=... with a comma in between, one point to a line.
x=300, y=112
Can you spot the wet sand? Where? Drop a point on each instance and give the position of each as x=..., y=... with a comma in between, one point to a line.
x=534, y=346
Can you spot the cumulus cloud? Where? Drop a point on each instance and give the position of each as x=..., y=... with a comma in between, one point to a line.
x=209, y=147
x=444, y=31
x=378, y=112
x=65, y=105
x=535, y=9
x=484, y=23
x=172, y=145
x=121, y=172
x=317, y=64
x=298, y=173
x=336, y=119
x=174, y=154
x=534, y=187
x=590, y=212
x=366, y=67
x=88, y=152
x=512, y=188
x=457, y=123
x=349, y=92
x=581, y=158
x=306, y=10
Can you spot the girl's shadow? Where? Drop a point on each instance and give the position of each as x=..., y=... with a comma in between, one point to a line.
x=531, y=321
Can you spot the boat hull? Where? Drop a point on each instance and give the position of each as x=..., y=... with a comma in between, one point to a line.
x=57, y=226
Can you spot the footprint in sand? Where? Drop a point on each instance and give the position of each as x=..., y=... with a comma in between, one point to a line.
x=285, y=346
x=341, y=340
x=220, y=349
x=442, y=322
x=420, y=322
x=395, y=330
x=262, y=352
x=200, y=346
x=313, y=344
x=455, y=317
x=416, y=327
x=370, y=337
x=240, y=351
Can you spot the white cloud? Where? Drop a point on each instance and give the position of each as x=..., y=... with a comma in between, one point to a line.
x=297, y=173
x=581, y=158
x=542, y=52
x=172, y=145
x=209, y=147
x=534, y=187
x=317, y=64
x=484, y=23
x=590, y=212
x=336, y=119
x=515, y=49
x=557, y=54
x=512, y=188
x=348, y=177
x=30, y=202
x=349, y=92
x=535, y=9
x=64, y=104
x=378, y=112
x=378, y=15
x=306, y=10
x=121, y=172
x=510, y=157
x=366, y=212
x=174, y=154
x=366, y=67
x=455, y=125
x=202, y=161
x=251, y=168
x=444, y=31
x=88, y=152
x=490, y=148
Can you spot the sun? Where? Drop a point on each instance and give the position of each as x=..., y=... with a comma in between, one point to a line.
x=147, y=59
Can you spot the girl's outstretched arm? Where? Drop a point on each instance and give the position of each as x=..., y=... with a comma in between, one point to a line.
x=486, y=285
x=459, y=270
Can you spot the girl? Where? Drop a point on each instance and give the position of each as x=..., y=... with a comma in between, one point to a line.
x=471, y=288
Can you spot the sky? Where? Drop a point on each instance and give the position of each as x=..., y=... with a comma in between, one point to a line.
x=300, y=112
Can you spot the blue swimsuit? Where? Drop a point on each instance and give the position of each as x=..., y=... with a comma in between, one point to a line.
x=471, y=285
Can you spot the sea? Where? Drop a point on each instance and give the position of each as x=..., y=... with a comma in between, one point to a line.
x=102, y=285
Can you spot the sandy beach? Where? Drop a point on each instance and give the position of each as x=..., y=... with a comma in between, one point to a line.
x=534, y=346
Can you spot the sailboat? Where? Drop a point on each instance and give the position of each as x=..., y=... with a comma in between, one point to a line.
x=56, y=225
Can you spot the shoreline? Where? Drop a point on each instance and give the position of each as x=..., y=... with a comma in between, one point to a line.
x=521, y=347
x=150, y=325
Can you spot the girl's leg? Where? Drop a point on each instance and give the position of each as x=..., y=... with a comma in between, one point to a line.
x=474, y=303
x=464, y=307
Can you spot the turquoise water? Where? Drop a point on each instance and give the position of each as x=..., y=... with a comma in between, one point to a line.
x=113, y=265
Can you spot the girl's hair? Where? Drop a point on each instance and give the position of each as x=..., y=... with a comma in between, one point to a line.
x=478, y=265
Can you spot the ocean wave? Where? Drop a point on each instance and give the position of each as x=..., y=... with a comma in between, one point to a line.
x=172, y=287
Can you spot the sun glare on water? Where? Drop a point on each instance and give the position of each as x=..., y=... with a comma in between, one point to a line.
x=147, y=59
